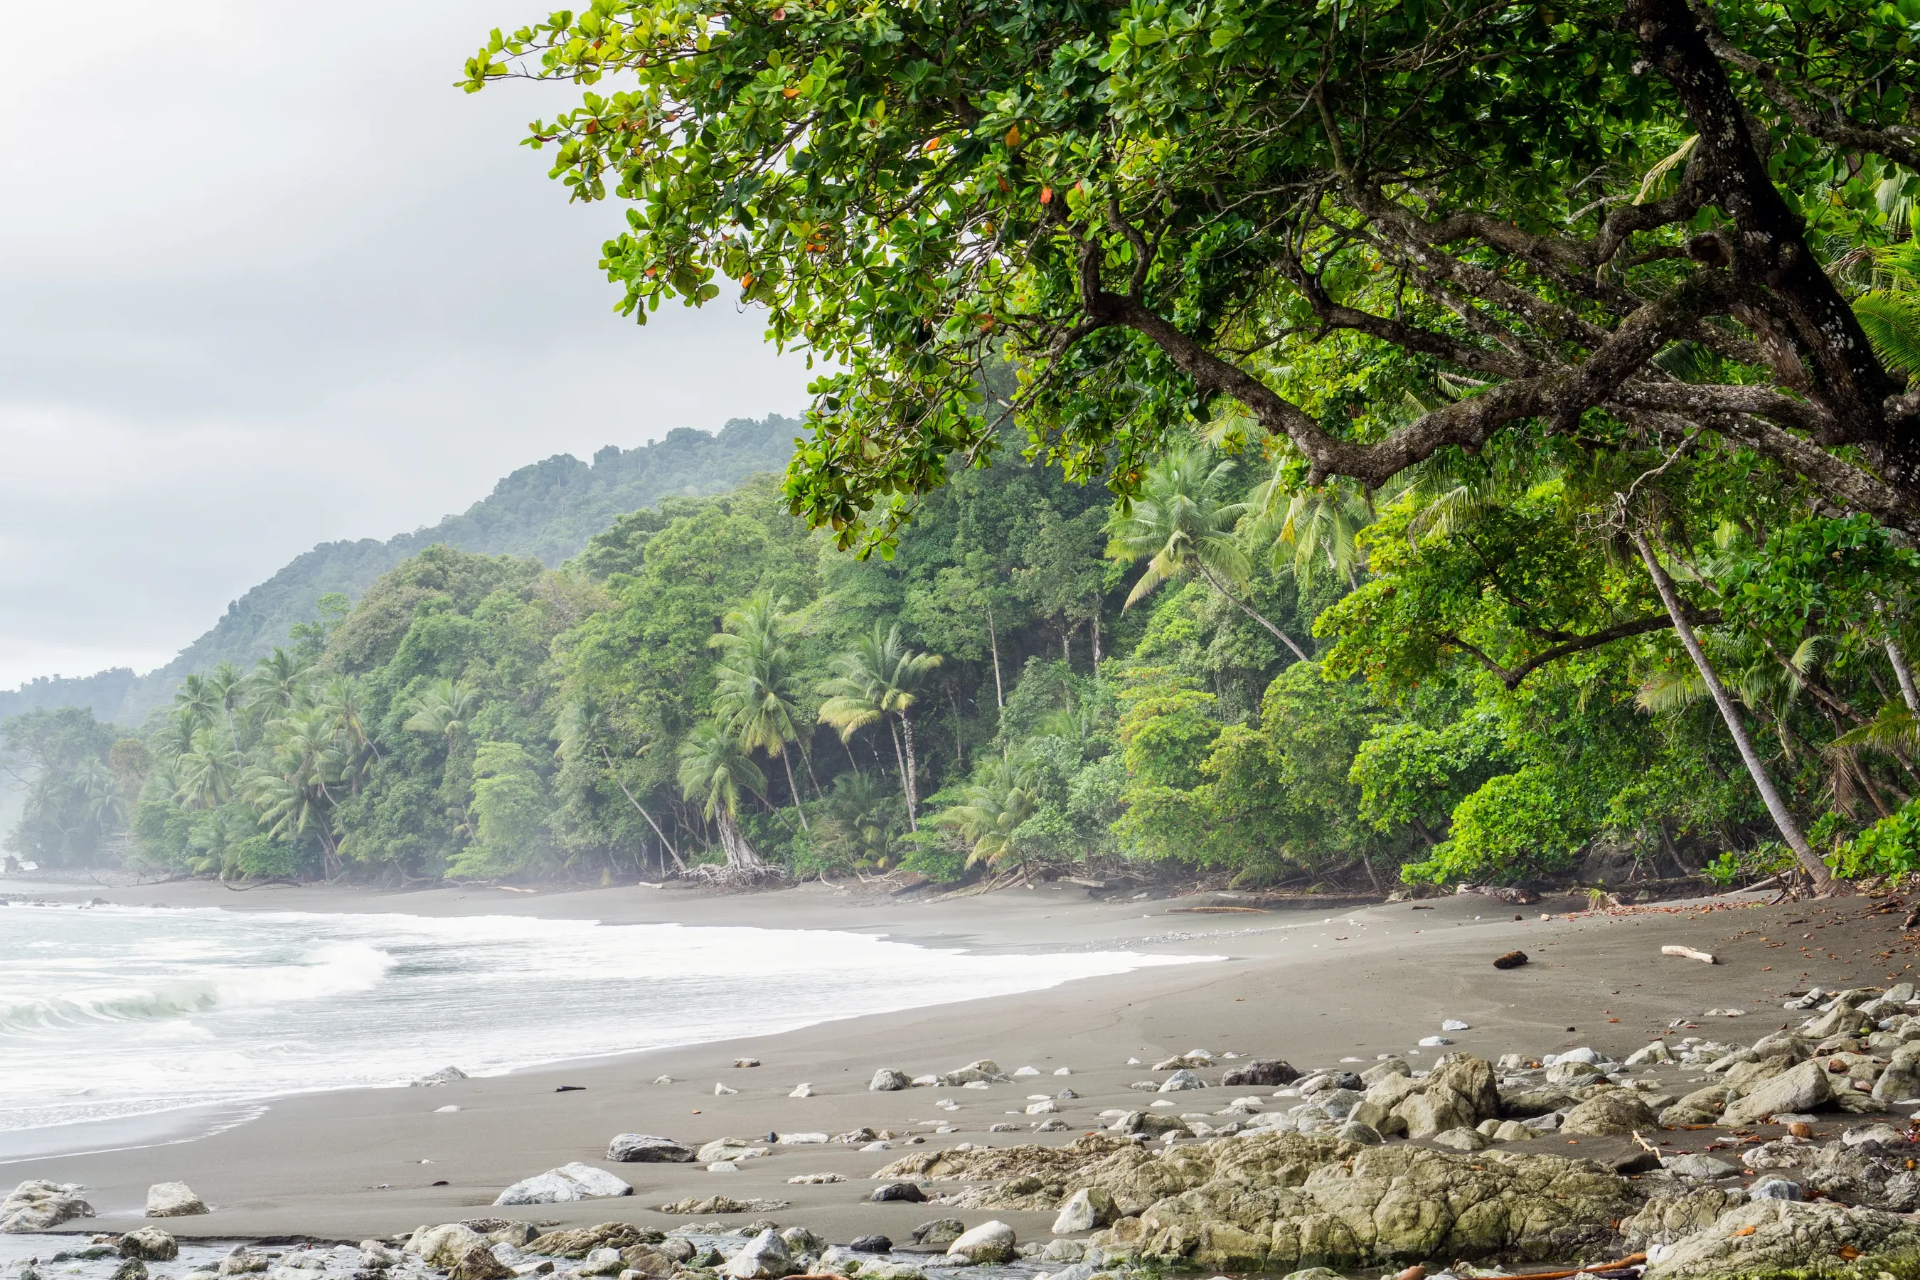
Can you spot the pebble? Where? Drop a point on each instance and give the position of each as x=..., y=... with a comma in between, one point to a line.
x=1454, y=1024
x=1433, y=1042
x=801, y=1091
x=721, y=1091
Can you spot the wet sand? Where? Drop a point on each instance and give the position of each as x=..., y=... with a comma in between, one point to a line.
x=1312, y=988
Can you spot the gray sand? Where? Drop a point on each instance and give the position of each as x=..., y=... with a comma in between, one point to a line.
x=1293, y=986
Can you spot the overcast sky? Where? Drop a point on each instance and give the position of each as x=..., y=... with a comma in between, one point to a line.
x=267, y=279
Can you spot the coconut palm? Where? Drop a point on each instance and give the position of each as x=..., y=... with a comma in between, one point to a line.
x=992, y=809
x=1182, y=526
x=862, y=815
x=310, y=756
x=583, y=732
x=276, y=683
x=880, y=678
x=196, y=703
x=1305, y=529
x=755, y=688
x=207, y=770
x=444, y=708
x=713, y=772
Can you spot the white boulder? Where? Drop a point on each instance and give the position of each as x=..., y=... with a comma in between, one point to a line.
x=569, y=1182
x=173, y=1200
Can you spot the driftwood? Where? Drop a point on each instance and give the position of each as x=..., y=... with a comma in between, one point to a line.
x=1631, y=1260
x=1511, y=960
x=1214, y=911
x=1688, y=953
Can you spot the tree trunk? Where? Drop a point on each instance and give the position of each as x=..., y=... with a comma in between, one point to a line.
x=1783, y=818
x=621, y=783
x=1095, y=622
x=913, y=776
x=1904, y=674
x=906, y=778
x=1249, y=610
x=1066, y=647
x=993, y=643
x=794, y=792
x=740, y=854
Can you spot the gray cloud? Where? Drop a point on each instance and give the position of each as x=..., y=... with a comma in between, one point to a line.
x=267, y=279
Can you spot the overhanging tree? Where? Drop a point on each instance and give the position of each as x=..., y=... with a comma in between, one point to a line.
x=1154, y=206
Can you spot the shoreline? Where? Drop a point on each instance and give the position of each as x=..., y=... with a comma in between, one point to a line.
x=348, y=1164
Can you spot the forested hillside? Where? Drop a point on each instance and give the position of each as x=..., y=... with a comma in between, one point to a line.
x=547, y=510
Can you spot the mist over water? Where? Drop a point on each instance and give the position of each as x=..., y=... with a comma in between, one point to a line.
x=120, y=1011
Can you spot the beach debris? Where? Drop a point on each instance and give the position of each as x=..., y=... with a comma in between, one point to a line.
x=801, y=1139
x=1085, y=1210
x=721, y=1090
x=990, y=1242
x=1454, y=1024
x=149, y=1244
x=37, y=1205
x=663, y=1079
x=570, y=1088
x=173, y=1200
x=907, y=1191
x=887, y=1080
x=574, y=1181
x=801, y=1091
x=1260, y=1072
x=746, y=1062
x=1063, y=1071
x=816, y=1179
x=1689, y=953
x=1510, y=960
x=445, y=1075
x=647, y=1148
x=870, y=1244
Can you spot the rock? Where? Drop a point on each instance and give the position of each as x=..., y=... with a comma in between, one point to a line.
x=870, y=1244
x=746, y=1062
x=801, y=1091
x=765, y=1257
x=1462, y=1139
x=1048, y=1107
x=1359, y=1133
x=887, y=1080
x=802, y=1139
x=1510, y=960
x=1454, y=1024
x=1026, y=1071
x=1567, y=1074
x=1767, y=1239
x=731, y=1149
x=816, y=1179
x=1384, y=1068
x=1655, y=1052
x=1263, y=1072
x=445, y=1075
x=443, y=1246
x=1776, y=1189
x=663, y=1079
x=38, y=1205
x=131, y=1269
x=1084, y=1210
x=1313, y=1273
x=985, y=1071
x=173, y=1200
x=1617, y=1112
x=244, y=1261
x=1698, y=1166
x=721, y=1090
x=646, y=1148
x=903, y=1191
x=801, y=1241
x=478, y=1263
x=569, y=1182
x=1182, y=1080
x=1802, y=1088
x=722, y=1204
x=990, y=1242
x=925, y=1082
x=149, y=1244
x=1674, y=1214
x=1433, y=1042
x=939, y=1233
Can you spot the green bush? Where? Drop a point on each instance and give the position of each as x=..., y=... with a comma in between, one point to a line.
x=263, y=856
x=1889, y=847
x=1515, y=825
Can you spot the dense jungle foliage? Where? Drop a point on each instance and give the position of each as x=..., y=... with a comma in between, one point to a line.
x=1507, y=418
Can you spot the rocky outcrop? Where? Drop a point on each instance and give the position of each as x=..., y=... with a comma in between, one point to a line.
x=149, y=1244
x=445, y=1245
x=1786, y=1240
x=645, y=1148
x=1084, y=1210
x=1617, y=1112
x=1799, y=1089
x=38, y=1205
x=764, y=1257
x=173, y=1200
x=1260, y=1072
x=567, y=1183
x=578, y=1242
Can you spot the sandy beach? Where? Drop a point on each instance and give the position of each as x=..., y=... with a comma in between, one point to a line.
x=1310, y=987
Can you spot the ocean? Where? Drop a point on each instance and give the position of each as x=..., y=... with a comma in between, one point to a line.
x=109, y=1012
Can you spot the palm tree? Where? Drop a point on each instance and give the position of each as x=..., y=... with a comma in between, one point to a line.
x=1304, y=528
x=755, y=689
x=226, y=686
x=206, y=771
x=1182, y=527
x=879, y=677
x=862, y=815
x=992, y=810
x=344, y=703
x=444, y=708
x=310, y=755
x=713, y=770
x=583, y=730
x=197, y=703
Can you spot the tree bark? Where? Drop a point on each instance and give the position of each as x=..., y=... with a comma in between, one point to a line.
x=740, y=854
x=993, y=644
x=1096, y=646
x=1904, y=674
x=1249, y=610
x=794, y=791
x=913, y=778
x=906, y=778
x=621, y=783
x=1783, y=818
